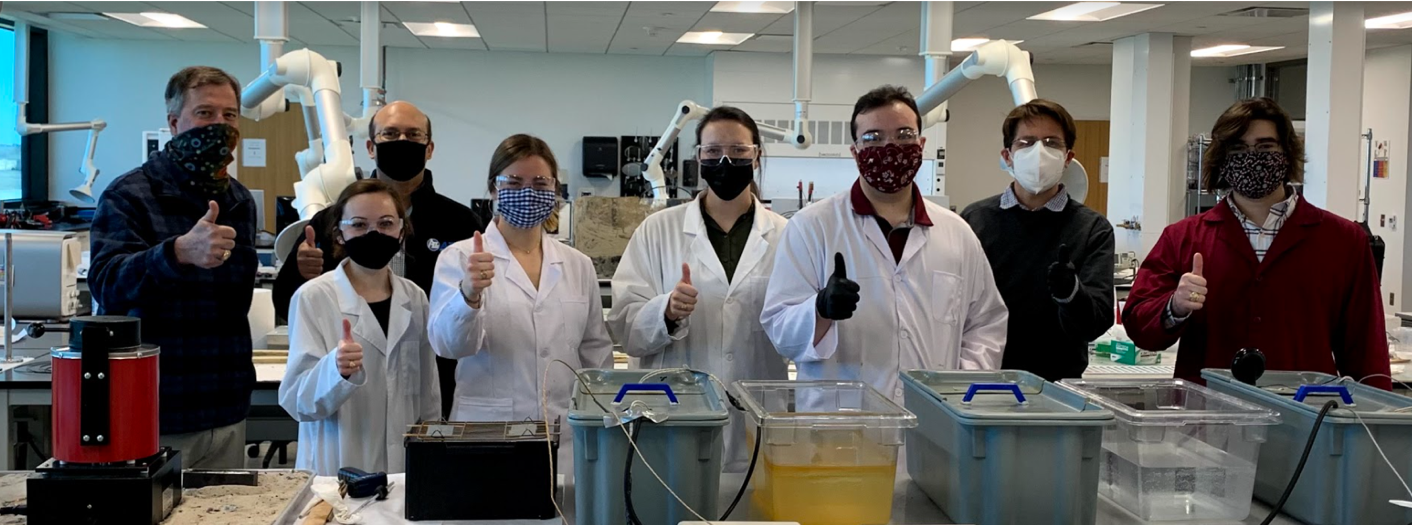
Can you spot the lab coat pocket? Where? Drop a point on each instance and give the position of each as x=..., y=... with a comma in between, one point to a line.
x=483, y=409
x=946, y=297
x=572, y=316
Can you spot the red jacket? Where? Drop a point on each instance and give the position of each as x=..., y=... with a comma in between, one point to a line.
x=1313, y=304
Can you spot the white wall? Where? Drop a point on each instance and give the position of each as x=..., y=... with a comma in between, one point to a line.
x=122, y=82
x=1387, y=74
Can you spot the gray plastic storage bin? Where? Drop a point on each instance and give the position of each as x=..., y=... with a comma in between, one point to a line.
x=684, y=448
x=1345, y=481
x=993, y=459
x=1177, y=451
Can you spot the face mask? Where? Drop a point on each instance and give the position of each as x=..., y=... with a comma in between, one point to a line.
x=1037, y=168
x=400, y=160
x=204, y=153
x=372, y=250
x=726, y=178
x=525, y=207
x=889, y=168
x=1256, y=174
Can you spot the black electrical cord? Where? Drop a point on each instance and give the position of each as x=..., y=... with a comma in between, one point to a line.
x=17, y=510
x=746, y=483
x=1308, y=446
x=627, y=476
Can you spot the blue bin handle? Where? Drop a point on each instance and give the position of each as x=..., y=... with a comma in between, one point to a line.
x=1006, y=387
x=645, y=387
x=1341, y=390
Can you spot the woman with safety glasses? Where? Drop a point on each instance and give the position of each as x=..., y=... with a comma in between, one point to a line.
x=511, y=302
x=360, y=366
x=691, y=284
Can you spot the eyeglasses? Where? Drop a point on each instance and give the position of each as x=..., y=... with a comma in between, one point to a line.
x=516, y=182
x=414, y=135
x=735, y=152
x=1049, y=142
x=1263, y=147
x=878, y=138
x=358, y=226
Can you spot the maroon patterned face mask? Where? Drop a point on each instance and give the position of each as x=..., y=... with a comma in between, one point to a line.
x=889, y=168
x=1256, y=174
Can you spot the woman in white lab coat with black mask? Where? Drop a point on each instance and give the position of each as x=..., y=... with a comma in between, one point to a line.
x=690, y=287
x=360, y=366
x=510, y=302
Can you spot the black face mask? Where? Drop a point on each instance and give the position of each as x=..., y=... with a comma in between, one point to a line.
x=372, y=250
x=728, y=177
x=401, y=160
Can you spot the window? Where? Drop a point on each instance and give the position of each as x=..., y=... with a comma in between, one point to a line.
x=11, y=180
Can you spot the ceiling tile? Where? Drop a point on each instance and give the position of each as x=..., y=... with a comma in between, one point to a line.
x=738, y=22
x=53, y=25
x=431, y=11
x=581, y=33
x=314, y=29
x=587, y=8
x=886, y=23
x=513, y=32
x=217, y=16
x=827, y=18
x=45, y=7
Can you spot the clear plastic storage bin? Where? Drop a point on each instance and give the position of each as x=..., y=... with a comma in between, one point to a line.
x=1004, y=447
x=829, y=450
x=1345, y=480
x=1178, y=451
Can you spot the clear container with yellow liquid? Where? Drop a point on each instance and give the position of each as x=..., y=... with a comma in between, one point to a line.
x=829, y=453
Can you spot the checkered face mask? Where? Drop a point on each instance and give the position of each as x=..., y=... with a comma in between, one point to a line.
x=525, y=207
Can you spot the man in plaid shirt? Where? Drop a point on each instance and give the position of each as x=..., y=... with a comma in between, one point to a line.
x=174, y=245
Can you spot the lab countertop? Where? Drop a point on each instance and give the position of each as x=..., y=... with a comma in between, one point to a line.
x=37, y=375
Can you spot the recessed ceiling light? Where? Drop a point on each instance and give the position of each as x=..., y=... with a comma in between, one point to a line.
x=1231, y=50
x=714, y=38
x=1397, y=21
x=969, y=44
x=442, y=29
x=1093, y=11
x=753, y=7
x=165, y=20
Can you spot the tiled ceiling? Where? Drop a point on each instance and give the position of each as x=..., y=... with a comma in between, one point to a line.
x=652, y=28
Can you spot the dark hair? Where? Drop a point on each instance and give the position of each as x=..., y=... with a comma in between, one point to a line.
x=1234, y=123
x=372, y=123
x=882, y=97
x=519, y=147
x=737, y=115
x=194, y=77
x=363, y=187
x=1037, y=109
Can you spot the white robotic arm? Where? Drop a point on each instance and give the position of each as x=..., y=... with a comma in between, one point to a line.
x=84, y=192
x=998, y=58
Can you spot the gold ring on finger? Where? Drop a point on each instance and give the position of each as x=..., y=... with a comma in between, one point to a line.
x=1194, y=297
x=483, y=275
x=225, y=255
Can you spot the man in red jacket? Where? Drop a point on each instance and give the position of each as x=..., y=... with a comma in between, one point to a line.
x=1264, y=269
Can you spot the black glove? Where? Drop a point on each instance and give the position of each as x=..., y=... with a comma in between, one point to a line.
x=1062, y=275
x=839, y=298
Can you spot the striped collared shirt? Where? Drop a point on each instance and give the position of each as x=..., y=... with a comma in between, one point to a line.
x=1056, y=204
x=1262, y=236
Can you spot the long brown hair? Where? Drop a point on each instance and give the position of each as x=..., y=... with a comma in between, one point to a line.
x=363, y=187
x=1232, y=126
x=519, y=147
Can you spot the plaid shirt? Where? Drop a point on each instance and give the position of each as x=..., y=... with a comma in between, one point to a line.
x=197, y=316
x=1056, y=203
x=1262, y=236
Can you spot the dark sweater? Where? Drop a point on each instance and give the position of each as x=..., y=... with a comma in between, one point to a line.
x=1045, y=337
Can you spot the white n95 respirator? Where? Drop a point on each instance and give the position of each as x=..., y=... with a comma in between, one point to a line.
x=1038, y=168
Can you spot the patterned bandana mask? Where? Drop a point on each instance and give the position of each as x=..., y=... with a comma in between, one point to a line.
x=1256, y=174
x=526, y=207
x=889, y=168
x=204, y=153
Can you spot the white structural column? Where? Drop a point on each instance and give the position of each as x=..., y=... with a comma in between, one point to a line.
x=1148, y=132
x=1333, y=175
x=935, y=50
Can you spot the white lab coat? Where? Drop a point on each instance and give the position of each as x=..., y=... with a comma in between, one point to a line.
x=359, y=421
x=938, y=309
x=723, y=335
x=504, y=347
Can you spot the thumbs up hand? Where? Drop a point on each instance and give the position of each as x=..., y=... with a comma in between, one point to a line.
x=350, y=353
x=309, y=257
x=208, y=244
x=1063, y=278
x=683, y=299
x=480, y=272
x=1191, y=290
x=839, y=298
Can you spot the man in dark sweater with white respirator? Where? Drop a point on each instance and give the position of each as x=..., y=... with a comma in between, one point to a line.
x=1052, y=257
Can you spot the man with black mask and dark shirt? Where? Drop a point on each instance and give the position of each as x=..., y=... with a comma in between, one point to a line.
x=399, y=140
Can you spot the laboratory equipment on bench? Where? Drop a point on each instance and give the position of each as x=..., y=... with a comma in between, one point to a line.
x=480, y=471
x=678, y=419
x=1178, y=451
x=1345, y=479
x=978, y=430
x=828, y=453
x=108, y=467
x=46, y=274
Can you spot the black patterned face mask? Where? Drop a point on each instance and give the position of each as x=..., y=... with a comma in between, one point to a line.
x=204, y=153
x=1256, y=174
